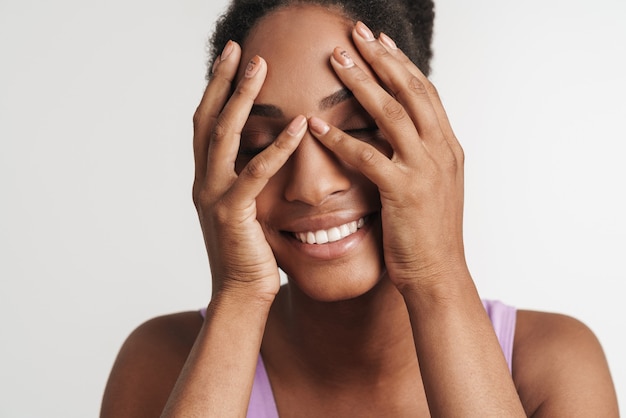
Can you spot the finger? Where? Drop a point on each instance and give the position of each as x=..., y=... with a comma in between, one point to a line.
x=374, y=165
x=213, y=100
x=391, y=47
x=435, y=99
x=389, y=115
x=263, y=166
x=409, y=89
x=458, y=155
x=226, y=133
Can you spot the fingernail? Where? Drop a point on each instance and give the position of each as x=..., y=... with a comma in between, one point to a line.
x=318, y=126
x=343, y=58
x=228, y=48
x=387, y=41
x=296, y=126
x=364, y=31
x=253, y=67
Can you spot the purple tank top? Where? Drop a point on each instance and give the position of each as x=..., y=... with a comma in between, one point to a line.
x=263, y=405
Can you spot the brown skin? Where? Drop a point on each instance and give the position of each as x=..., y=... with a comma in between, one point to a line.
x=558, y=367
x=343, y=338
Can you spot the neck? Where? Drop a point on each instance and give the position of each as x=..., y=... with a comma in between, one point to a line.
x=367, y=338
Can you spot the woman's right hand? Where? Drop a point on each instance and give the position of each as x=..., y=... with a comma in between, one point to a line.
x=241, y=259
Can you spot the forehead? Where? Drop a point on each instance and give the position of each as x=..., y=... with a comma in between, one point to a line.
x=296, y=43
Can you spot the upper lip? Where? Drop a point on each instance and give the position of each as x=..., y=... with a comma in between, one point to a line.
x=325, y=221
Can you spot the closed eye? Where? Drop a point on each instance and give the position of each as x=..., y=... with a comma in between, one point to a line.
x=254, y=142
x=251, y=152
x=370, y=133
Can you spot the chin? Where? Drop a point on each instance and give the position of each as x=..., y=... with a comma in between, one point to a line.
x=337, y=271
x=335, y=283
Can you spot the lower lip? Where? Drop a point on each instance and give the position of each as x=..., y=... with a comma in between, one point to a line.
x=336, y=249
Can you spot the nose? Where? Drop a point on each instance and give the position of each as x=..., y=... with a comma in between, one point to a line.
x=316, y=174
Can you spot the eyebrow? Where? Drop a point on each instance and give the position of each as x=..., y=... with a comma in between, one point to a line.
x=266, y=110
x=272, y=111
x=335, y=98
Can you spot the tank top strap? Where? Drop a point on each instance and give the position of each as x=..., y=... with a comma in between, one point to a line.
x=263, y=405
x=503, y=318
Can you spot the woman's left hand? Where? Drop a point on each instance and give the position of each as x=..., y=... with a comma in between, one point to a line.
x=421, y=191
x=421, y=182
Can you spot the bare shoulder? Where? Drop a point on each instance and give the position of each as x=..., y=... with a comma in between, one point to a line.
x=560, y=369
x=148, y=364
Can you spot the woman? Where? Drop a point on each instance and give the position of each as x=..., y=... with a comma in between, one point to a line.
x=323, y=149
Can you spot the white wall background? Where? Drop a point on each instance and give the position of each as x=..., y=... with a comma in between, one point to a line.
x=98, y=232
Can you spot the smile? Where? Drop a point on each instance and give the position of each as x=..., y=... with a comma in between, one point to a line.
x=333, y=234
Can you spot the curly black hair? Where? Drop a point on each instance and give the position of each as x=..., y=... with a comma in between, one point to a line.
x=408, y=22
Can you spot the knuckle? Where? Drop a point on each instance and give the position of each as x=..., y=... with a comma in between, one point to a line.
x=431, y=89
x=200, y=196
x=221, y=129
x=244, y=90
x=222, y=213
x=362, y=77
x=337, y=137
x=448, y=159
x=257, y=168
x=450, y=162
x=381, y=53
x=367, y=157
x=281, y=146
x=393, y=110
x=416, y=86
x=197, y=116
x=240, y=90
x=195, y=194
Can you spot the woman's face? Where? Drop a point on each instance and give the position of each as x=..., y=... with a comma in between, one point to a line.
x=315, y=197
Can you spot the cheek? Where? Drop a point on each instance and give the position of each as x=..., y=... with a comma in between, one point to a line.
x=269, y=201
x=364, y=193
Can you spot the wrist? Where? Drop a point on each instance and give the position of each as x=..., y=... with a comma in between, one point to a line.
x=252, y=295
x=438, y=285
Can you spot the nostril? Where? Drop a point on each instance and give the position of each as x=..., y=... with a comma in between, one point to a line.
x=315, y=174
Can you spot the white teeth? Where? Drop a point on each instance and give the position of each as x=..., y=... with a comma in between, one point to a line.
x=321, y=237
x=333, y=234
